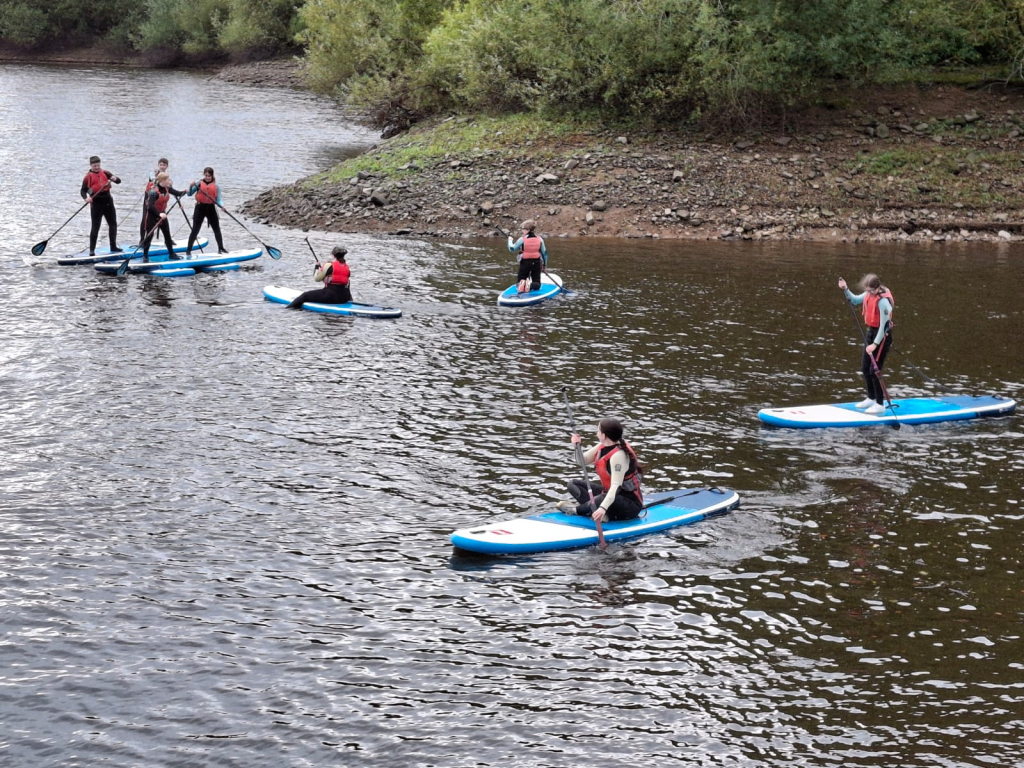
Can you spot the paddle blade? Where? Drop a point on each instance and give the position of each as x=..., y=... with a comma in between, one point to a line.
x=122, y=267
x=38, y=248
x=274, y=252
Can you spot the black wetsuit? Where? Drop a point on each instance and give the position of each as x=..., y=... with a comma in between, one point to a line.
x=102, y=208
x=151, y=216
x=331, y=293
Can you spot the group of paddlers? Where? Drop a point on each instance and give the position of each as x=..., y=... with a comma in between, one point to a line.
x=617, y=494
x=156, y=206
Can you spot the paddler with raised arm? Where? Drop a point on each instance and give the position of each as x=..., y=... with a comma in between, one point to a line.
x=878, y=306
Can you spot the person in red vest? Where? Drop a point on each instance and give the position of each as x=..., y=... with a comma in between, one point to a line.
x=207, y=194
x=334, y=276
x=157, y=199
x=878, y=306
x=617, y=496
x=532, y=256
x=161, y=167
x=96, y=191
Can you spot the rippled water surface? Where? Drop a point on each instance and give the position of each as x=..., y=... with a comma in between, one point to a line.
x=224, y=526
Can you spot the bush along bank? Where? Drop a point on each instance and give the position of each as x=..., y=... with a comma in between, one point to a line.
x=920, y=164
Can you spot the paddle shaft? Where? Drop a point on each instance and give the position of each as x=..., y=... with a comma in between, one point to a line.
x=874, y=365
x=310, y=246
x=123, y=266
x=583, y=468
x=38, y=248
x=274, y=252
x=189, y=222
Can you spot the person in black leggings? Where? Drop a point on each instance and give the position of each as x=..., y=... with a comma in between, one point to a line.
x=879, y=307
x=207, y=194
x=157, y=200
x=334, y=276
x=96, y=191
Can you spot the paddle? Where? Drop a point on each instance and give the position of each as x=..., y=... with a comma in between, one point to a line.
x=583, y=467
x=274, y=252
x=38, y=248
x=123, y=266
x=189, y=222
x=877, y=371
x=315, y=257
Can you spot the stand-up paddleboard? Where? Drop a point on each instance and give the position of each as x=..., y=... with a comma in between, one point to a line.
x=550, y=285
x=909, y=410
x=173, y=272
x=197, y=262
x=557, y=530
x=104, y=254
x=281, y=295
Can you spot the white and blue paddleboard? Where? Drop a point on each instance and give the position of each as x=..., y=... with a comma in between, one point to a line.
x=104, y=254
x=197, y=262
x=281, y=295
x=550, y=285
x=557, y=530
x=908, y=410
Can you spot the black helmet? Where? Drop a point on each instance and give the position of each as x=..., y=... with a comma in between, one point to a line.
x=339, y=252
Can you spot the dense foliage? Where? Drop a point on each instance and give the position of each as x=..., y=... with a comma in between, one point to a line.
x=171, y=28
x=668, y=59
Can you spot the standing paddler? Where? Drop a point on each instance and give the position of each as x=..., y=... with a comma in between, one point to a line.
x=878, y=306
x=96, y=192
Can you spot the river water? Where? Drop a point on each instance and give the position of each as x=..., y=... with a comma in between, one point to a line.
x=224, y=526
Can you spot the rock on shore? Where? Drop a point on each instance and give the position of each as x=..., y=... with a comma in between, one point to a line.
x=933, y=164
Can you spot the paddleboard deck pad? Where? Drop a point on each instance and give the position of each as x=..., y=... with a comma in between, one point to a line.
x=197, y=262
x=909, y=410
x=556, y=530
x=104, y=254
x=281, y=295
x=550, y=285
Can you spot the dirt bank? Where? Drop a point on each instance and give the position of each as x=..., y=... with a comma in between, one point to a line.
x=937, y=163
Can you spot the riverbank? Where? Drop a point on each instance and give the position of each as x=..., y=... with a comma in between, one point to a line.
x=282, y=72
x=936, y=163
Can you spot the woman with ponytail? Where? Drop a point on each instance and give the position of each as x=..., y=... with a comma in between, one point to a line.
x=617, y=495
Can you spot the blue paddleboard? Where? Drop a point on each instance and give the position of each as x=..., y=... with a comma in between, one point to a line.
x=103, y=254
x=908, y=410
x=281, y=295
x=557, y=530
x=198, y=262
x=550, y=285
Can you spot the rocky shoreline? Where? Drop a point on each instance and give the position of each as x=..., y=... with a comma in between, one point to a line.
x=916, y=164
x=936, y=164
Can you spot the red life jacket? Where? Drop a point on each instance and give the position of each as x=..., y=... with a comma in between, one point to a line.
x=339, y=274
x=162, y=196
x=871, y=314
x=207, y=193
x=97, y=181
x=531, y=247
x=630, y=483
